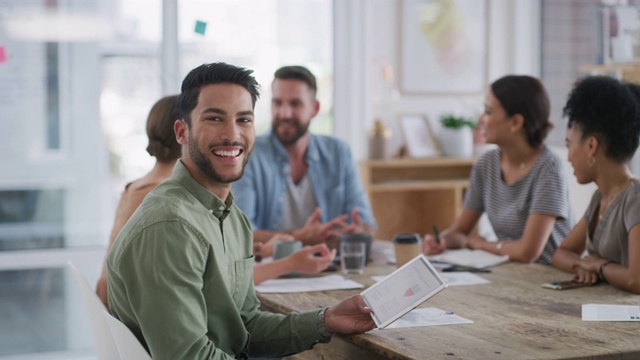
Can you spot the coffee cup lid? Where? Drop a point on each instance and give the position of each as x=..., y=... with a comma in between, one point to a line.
x=408, y=238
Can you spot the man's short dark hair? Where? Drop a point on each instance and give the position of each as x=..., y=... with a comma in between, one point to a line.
x=296, y=72
x=214, y=73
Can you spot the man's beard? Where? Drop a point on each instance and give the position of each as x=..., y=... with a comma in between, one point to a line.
x=301, y=129
x=205, y=165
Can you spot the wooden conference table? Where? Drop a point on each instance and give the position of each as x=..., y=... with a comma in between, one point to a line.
x=514, y=318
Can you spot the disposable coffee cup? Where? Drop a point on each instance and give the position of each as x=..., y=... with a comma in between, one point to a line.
x=406, y=246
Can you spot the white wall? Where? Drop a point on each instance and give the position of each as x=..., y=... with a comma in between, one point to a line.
x=367, y=35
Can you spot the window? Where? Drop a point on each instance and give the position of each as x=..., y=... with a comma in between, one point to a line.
x=75, y=103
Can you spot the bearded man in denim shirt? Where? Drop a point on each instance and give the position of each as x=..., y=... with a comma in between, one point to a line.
x=296, y=182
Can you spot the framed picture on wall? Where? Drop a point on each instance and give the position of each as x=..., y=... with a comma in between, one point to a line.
x=443, y=46
x=418, y=136
x=620, y=34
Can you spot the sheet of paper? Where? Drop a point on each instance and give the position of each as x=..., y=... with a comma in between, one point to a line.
x=463, y=278
x=322, y=283
x=452, y=279
x=467, y=257
x=428, y=317
x=603, y=312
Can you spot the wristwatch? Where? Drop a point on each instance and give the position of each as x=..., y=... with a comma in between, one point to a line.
x=601, y=270
x=320, y=325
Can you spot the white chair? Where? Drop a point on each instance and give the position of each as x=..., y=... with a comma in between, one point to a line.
x=106, y=348
x=128, y=345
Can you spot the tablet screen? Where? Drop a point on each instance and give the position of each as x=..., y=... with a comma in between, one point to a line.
x=403, y=290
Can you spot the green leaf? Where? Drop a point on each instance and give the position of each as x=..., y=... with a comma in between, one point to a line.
x=456, y=122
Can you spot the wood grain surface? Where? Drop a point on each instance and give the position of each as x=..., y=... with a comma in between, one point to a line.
x=514, y=318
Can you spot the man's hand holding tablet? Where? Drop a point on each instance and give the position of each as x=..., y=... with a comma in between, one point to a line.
x=403, y=290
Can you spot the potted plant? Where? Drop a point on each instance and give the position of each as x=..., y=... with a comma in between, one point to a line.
x=456, y=135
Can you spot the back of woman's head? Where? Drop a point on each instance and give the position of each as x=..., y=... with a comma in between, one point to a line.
x=162, y=139
x=525, y=95
x=609, y=110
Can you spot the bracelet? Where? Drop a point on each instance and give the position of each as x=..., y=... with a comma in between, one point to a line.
x=601, y=271
x=320, y=324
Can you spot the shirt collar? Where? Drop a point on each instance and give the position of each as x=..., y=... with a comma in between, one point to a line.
x=313, y=153
x=214, y=204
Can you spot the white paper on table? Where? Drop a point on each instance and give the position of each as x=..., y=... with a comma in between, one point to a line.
x=467, y=257
x=457, y=278
x=603, y=312
x=322, y=283
x=428, y=317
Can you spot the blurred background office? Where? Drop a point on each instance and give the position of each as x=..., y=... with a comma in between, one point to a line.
x=77, y=78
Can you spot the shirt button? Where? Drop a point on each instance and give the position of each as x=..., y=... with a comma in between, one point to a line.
x=221, y=208
x=211, y=211
x=227, y=267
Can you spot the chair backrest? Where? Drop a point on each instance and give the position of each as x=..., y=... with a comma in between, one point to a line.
x=128, y=345
x=106, y=348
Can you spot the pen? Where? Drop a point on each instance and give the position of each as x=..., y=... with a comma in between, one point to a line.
x=455, y=268
x=436, y=234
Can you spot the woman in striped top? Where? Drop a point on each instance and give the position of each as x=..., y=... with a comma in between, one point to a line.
x=602, y=136
x=520, y=185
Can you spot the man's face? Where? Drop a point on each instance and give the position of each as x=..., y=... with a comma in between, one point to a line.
x=293, y=105
x=222, y=133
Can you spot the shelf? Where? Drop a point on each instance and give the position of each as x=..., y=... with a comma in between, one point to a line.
x=609, y=68
x=411, y=195
x=418, y=185
x=628, y=72
x=418, y=163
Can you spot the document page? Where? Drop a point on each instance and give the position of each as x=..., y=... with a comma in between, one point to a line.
x=602, y=312
x=430, y=316
x=321, y=283
x=402, y=290
x=467, y=257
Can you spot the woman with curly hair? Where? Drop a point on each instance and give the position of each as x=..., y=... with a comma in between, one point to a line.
x=602, y=136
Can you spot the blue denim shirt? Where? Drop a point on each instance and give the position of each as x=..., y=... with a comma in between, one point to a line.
x=337, y=186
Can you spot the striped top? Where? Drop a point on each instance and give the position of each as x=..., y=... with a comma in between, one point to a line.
x=543, y=190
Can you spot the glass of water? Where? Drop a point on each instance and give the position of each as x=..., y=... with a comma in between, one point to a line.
x=352, y=256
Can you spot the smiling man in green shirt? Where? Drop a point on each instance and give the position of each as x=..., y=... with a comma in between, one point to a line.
x=180, y=273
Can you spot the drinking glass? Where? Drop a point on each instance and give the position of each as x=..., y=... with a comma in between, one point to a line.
x=352, y=257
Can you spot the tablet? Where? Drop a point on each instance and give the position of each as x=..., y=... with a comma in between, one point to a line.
x=403, y=290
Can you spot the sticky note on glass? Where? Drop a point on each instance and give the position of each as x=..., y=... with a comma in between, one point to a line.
x=3, y=54
x=201, y=27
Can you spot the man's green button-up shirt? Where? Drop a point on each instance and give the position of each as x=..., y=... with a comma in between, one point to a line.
x=180, y=276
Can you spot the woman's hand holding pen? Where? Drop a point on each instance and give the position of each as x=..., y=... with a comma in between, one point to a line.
x=431, y=246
